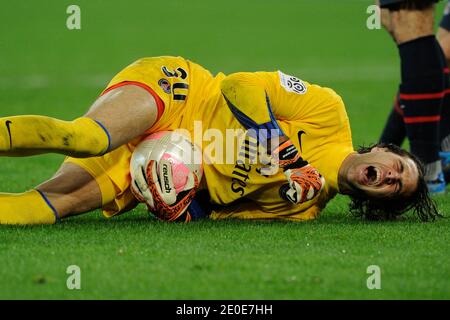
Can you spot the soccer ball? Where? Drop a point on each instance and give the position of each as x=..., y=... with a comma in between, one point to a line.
x=184, y=157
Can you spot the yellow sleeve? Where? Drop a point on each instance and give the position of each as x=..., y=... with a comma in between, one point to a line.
x=248, y=97
x=246, y=91
x=259, y=95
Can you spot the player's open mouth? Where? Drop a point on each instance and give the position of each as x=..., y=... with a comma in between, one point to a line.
x=371, y=176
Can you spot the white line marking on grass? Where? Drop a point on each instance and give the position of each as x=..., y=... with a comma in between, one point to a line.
x=356, y=73
x=42, y=81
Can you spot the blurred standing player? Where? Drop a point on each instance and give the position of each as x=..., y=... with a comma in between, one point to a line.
x=443, y=36
x=422, y=108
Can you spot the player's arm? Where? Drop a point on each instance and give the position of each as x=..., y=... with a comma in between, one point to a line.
x=247, y=97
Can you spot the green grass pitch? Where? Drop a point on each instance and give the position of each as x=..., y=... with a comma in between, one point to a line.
x=47, y=69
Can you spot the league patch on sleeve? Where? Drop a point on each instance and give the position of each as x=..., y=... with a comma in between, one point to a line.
x=292, y=84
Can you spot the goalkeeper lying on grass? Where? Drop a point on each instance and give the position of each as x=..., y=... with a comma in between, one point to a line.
x=314, y=155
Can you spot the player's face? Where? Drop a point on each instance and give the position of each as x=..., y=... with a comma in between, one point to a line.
x=384, y=174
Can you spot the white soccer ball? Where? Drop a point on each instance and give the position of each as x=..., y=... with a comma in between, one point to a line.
x=184, y=157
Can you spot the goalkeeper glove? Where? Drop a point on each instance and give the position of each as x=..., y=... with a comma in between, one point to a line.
x=154, y=186
x=304, y=181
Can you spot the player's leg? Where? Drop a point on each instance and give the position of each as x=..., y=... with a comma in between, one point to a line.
x=445, y=133
x=72, y=190
x=443, y=33
x=394, y=130
x=386, y=13
x=422, y=87
x=80, y=185
x=444, y=40
x=114, y=119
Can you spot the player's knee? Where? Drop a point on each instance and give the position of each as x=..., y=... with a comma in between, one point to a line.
x=408, y=25
x=386, y=21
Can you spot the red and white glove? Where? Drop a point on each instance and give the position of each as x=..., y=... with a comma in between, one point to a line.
x=304, y=184
x=154, y=186
x=304, y=181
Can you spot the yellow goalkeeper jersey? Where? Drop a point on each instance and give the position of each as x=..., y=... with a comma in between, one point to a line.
x=191, y=99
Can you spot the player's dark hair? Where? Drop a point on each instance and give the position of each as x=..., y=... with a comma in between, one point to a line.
x=390, y=208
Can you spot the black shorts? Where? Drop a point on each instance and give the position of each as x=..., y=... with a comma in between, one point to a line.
x=445, y=22
x=397, y=4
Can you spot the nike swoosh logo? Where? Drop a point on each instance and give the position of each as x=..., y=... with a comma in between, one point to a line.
x=299, y=135
x=8, y=124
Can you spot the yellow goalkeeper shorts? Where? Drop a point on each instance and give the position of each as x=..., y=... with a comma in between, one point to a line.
x=112, y=174
x=170, y=80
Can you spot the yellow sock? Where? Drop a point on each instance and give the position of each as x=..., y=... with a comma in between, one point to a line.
x=30, y=207
x=29, y=135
